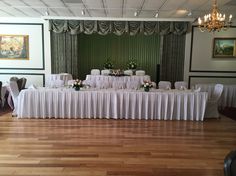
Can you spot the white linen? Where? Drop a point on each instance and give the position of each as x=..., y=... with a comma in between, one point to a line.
x=111, y=79
x=228, y=97
x=121, y=104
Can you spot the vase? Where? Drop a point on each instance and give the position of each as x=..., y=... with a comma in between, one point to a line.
x=146, y=89
x=77, y=88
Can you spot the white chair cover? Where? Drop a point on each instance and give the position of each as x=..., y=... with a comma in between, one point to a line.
x=103, y=85
x=212, y=104
x=133, y=85
x=119, y=85
x=140, y=72
x=181, y=85
x=14, y=91
x=57, y=83
x=164, y=85
x=128, y=72
x=70, y=82
x=95, y=72
x=89, y=83
x=105, y=72
x=154, y=85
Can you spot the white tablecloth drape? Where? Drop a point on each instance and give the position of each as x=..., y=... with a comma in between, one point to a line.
x=228, y=97
x=111, y=79
x=68, y=103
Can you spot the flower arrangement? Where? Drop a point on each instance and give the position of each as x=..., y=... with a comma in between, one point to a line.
x=108, y=64
x=77, y=84
x=132, y=65
x=147, y=85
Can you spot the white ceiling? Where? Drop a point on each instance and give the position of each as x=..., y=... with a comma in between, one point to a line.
x=113, y=8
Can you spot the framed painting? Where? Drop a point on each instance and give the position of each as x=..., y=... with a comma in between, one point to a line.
x=224, y=48
x=14, y=47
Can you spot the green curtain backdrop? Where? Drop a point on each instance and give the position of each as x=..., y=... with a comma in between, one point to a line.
x=172, y=58
x=95, y=49
x=75, y=52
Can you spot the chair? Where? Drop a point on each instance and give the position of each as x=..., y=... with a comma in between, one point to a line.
x=21, y=83
x=105, y=72
x=212, y=103
x=57, y=83
x=164, y=85
x=119, y=85
x=128, y=72
x=154, y=85
x=14, y=78
x=95, y=72
x=230, y=164
x=140, y=73
x=103, y=84
x=14, y=91
x=133, y=85
x=181, y=85
x=89, y=83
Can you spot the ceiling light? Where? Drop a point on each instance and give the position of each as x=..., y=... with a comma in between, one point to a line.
x=135, y=13
x=214, y=21
x=83, y=12
x=190, y=13
x=156, y=15
x=47, y=12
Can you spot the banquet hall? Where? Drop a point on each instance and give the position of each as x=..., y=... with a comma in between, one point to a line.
x=119, y=87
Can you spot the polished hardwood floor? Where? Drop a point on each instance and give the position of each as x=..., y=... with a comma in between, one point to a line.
x=66, y=147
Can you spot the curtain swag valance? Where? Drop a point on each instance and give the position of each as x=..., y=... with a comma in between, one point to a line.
x=118, y=27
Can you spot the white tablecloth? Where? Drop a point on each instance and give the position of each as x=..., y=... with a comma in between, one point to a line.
x=111, y=79
x=228, y=97
x=122, y=104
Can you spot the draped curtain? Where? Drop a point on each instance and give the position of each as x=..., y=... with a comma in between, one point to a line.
x=172, y=58
x=65, y=43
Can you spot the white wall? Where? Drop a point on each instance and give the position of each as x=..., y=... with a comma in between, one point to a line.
x=200, y=66
x=32, y=69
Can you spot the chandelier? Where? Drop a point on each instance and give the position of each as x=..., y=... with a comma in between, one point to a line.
x=214, y=21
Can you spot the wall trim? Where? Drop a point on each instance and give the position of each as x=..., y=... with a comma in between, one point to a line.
x=43, y=54
x=195, y=76
x=190, y=63
x=37, y=74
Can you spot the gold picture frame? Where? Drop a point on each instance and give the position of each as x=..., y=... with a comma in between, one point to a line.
x=14, y=47
x=224, y=48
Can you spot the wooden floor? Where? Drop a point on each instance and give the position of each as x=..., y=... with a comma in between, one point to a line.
x=56, y=147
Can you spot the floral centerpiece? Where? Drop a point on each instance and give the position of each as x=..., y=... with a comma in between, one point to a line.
x=108, y=64
x=147, y=85
x=77, y=84
x=132, y=65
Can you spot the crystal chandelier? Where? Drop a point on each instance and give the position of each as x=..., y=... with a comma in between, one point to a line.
x=214, y=21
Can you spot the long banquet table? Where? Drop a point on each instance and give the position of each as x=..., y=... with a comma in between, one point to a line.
x=228, y=97
x=121, y=104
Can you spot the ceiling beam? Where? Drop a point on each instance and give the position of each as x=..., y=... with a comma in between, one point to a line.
x=141, y=8
x=6, y=12
x=117, y=19
x=122, y=8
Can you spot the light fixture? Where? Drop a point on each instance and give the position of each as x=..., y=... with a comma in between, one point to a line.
x=135, y=13
x=83, y=12
x=47, y=12
x=190, y=13
x=214, y=21
x=156, y=15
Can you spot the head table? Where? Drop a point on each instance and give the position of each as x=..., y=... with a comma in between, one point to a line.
x=109, y=103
